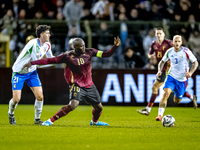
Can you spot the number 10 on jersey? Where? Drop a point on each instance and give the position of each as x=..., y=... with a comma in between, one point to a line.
x=80, y=61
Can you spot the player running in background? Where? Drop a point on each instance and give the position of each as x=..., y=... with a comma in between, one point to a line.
x=78, y=75
x=179, y=73
x=35, y=49
x=158, y=49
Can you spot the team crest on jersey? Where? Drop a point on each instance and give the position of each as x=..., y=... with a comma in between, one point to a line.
x=72, y=55
x=156, y=48
x=181, y=56
x=172, y=55
x=15, y=86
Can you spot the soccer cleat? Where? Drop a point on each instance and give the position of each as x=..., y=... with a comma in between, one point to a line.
x=143, y=111
x=159, y=118
x=98, y=123
x=38, y=121
x=47, y=123
x=12, y=119
x=194, y=100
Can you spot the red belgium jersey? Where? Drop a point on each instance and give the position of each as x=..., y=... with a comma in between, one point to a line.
x=160, y=49
x=78, y=67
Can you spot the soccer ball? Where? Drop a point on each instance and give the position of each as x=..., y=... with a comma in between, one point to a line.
x=168, y=121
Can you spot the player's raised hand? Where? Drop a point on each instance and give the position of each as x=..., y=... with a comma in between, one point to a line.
x=28, y=65
x=117, y=41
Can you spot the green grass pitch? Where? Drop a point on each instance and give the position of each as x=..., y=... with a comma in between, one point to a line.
x=127, y=130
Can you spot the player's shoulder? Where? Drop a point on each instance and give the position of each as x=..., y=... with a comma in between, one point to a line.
x=48, y=43
x=185, y=48
x=167, y=40
x=89, y=50
x=70, y=52
x=33, y=41
x=154, y=42
x=170, y=50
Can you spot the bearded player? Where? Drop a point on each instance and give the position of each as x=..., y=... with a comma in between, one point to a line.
x=178, y=75
x=158, y=49
x=78, y=75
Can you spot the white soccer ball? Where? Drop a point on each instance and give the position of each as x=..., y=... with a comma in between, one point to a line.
x=168, y=121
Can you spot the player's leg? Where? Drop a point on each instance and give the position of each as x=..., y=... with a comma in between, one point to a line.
x=62, y=112
x=17, y=85
x=93, y=98
x=155, y=89
x=34, y=83
x=169, y=86
x=13, y=104
x=96, y=112
x=163, y=103
x=38, y=92
x=179, y=91
x=177, y=100
x=193, y=98
x=74, y=98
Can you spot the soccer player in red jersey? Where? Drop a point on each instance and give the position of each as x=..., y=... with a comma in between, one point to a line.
x=158, y=49
x=78, y=75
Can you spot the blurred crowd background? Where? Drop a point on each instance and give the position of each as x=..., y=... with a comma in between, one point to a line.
x=98, y=22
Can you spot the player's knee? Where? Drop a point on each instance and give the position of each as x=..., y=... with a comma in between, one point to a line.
x=99, y=107
x=154, y=89
x=166, y=94
x=16, y=100
x=40, y=97
x=176, y=101
x=73, y=104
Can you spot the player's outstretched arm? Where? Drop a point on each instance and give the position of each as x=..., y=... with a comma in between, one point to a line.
x=44, y=61
x=111, y=51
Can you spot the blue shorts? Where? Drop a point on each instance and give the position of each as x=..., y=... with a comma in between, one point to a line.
x=176, y=86
x=32, y=79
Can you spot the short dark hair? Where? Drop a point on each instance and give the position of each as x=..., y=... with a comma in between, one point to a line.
x=40, y=29
x=159, y=28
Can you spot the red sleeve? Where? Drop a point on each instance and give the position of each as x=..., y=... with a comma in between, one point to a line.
x=151, y=50
x=109, y=52
x=44, y=61
x=54, y=60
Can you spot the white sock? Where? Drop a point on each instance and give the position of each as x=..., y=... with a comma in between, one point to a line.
x=191, y=97
x=148, y=109
x=38, y=108
x=12, y=107
x=161, y=111
x=93, y=122
x=50, y=121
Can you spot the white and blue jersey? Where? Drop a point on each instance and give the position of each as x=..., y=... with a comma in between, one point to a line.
x=32, y=51
x=176, y=79
x=179, y=62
